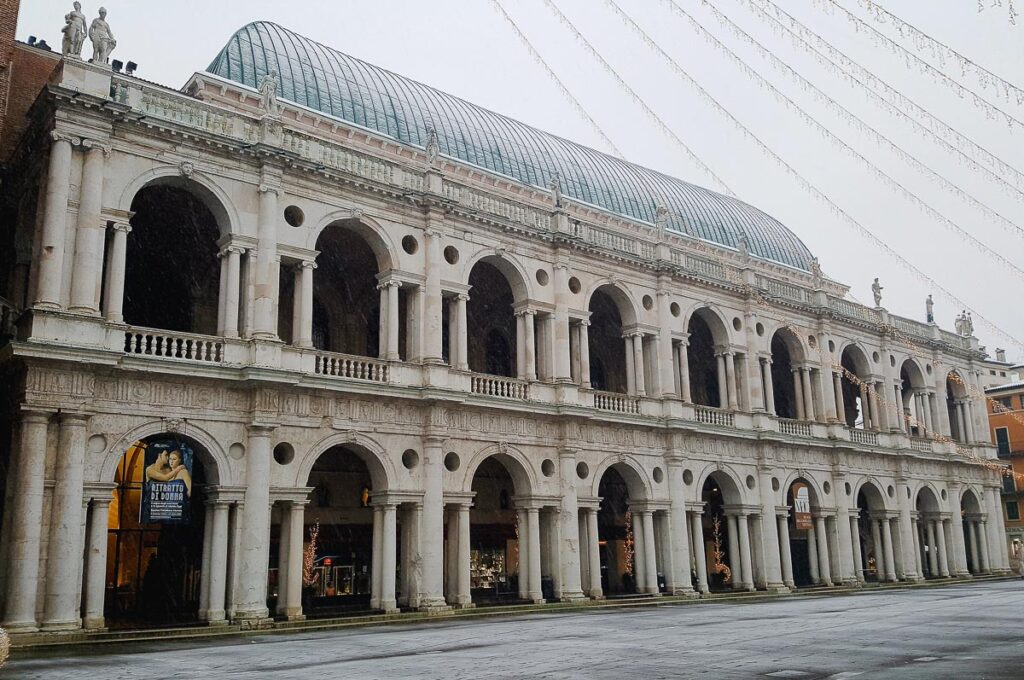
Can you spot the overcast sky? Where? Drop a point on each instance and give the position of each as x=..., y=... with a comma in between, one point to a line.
x=466, y=48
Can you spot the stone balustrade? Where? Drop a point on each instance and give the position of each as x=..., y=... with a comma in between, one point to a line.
x=714, y=416
x=351, y=367
x=496, y=386
x=866, y=437
x=796, y=428
x=616, y=402
x=170, y=345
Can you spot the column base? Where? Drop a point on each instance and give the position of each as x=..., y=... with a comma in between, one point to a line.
x=777, y=588
x=537, y=600
x=464, y=605
x=94, y=624
x=216, y=623
x=17, y=627
x=56, y=626
x=851, y=583
x=596, y=595
x=575, y=597
x=433, y=606
x=684, y=592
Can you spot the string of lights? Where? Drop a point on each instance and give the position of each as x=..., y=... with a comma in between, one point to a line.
x=639, y=101
x=810, y=120
x=887, y=97
x=911, y=60
x=557, y=81
x=818, y=194
x=1011, y=10
x=943, y=53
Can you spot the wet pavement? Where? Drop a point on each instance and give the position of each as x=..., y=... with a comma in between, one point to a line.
x=962, y=631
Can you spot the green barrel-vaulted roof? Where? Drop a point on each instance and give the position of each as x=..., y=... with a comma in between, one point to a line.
x=352, y=90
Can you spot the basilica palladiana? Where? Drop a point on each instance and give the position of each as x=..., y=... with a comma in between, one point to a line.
x=307, y=338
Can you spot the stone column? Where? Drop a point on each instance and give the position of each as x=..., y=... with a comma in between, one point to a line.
x=389, y=545
x=940, y=535
x=562, y=346
x=840, y=399
x=432, y=291
x=639, y=553
x=730, y=377
x=723, y=383
x=63, y=557
x=678, y=581
x=665, y=364
x=376, y=549
x=432, y=528
x=96, y=563
x=812, y=556
x=55, y=221
x=956, y=530
x=699, y=556
x=876, y=421
x=858, y=557
x=744, y=540
x=596, y=591
x=253, y=553
x=392, y=320
x=823, y=562
x=296, y=520
x=232, y=270
x=663, y=538
x=584, y=354
x=265, y=323
x=451, y=554
x=890, y=563
x=865, y=414
x=684, y=371
x=805, y=378
x=876, y=540
x=303, y=331
x=461, y=338
x=918, y=563
x=463, y=596
x=986, y=566
x=798, y=395
x=926, y=406
x=905, y=532
x=569, y=547
x=769, y=385
x=523, y=542
x=520, y=345
x=533, y=553
x=26, y=520
x=283, y=541
x=784, y=550
x=89, y=231
x=219, y=561
x=961, y=427
x=113, y=303
x=933, y=560
x=969, y=420
x=529, y=345
x=973, y=538
x=638, y=363
x=650, y=553
x=735, y=562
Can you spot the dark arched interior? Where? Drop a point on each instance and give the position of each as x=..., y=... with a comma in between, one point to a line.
x=615, y=535
x=782, y=379
x=346, y=302
x=607, y=348
x=853, y=415
x=716, y=536
x=494, y=545
x=172, y=274
x=702, y=363
x=798, y=544
x=491, y=342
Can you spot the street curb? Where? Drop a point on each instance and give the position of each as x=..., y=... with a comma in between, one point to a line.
x=30, y=644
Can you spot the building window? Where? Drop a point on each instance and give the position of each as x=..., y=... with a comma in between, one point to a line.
x=1006, y=401
x=1012, y=511
x=1003, y=442
x=1008, y=483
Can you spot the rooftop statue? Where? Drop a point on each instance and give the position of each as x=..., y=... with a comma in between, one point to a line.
x=268, y=93
x=433, y=148
x=556, y=189
x=102, y=38
x=74, y=32
x=816, y=272
x=929, y=307
x=876, y=290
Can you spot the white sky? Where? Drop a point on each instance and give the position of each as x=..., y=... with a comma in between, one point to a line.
x=466, y=48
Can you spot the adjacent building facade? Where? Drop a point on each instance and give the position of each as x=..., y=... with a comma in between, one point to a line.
x=1006, y=419
x=419, y=355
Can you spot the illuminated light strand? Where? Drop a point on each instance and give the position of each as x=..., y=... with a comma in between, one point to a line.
x=886, y=96
x=857, y=123
x=556, y=80
x=886, y=330
x=992, y=112
x=637, y=99
x=1011, y=12
x=922, y=41
x=823, y=198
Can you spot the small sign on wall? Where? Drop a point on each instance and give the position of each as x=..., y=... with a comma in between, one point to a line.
x=801, y=506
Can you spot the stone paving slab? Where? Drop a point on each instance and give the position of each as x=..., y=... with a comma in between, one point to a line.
x=960, y=631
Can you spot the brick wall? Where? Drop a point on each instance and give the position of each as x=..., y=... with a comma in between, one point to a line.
x=8, y=26
x=30, y=71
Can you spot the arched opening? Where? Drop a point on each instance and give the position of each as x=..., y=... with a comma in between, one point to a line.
x=785, y=350
x=932, y=535
x=628, y=565
x=346, y=302
x=721, y=534
x=975, y=540
x=493, y=342
x=870, y=535
x=707, y=378
x=606, y=346
x=912, y=408
x=854, y=363
x=339, y=511
x=494, y=536
x=155, y=531
x=957, y=407
x=172, y=271
x=801, y=499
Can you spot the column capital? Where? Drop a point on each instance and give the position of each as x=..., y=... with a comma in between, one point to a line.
x=584, y=322
x=390, y=283
x=118, y=225
x=75, y=419
x=307, y=264
x=35, y=416
x=260, y=429
x=96, y=145
x=267, y=189
x=227, y=250
x=462, y=297
x=57, y=136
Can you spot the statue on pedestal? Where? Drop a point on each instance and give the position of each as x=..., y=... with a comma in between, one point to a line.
x=433, y=148
x=743, y=245
x=816, y=273
x=876, y=290
x=74, y=32
x=268, y=93
x=102, y=38
x=556, y=189
x=929, y=307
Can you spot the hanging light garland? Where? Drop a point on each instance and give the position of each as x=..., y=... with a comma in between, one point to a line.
x=912, y=61
x=862, y=127
x=899, y=105
x=1011, y=11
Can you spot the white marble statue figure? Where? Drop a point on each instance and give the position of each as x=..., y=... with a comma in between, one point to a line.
x=969, y=325
x=74, y=32
x=959, y=323
x=433, y=148
x=268, y=93
x=876, y=290
x=929, y=307
x=556, y=189
x=816, y=273
x=661, y=219
x=743, y=245
x=102, y=38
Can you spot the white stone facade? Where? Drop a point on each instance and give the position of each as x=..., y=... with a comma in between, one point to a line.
x=85, y=385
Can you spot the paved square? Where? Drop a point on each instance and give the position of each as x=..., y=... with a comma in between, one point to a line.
x=970, y=631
